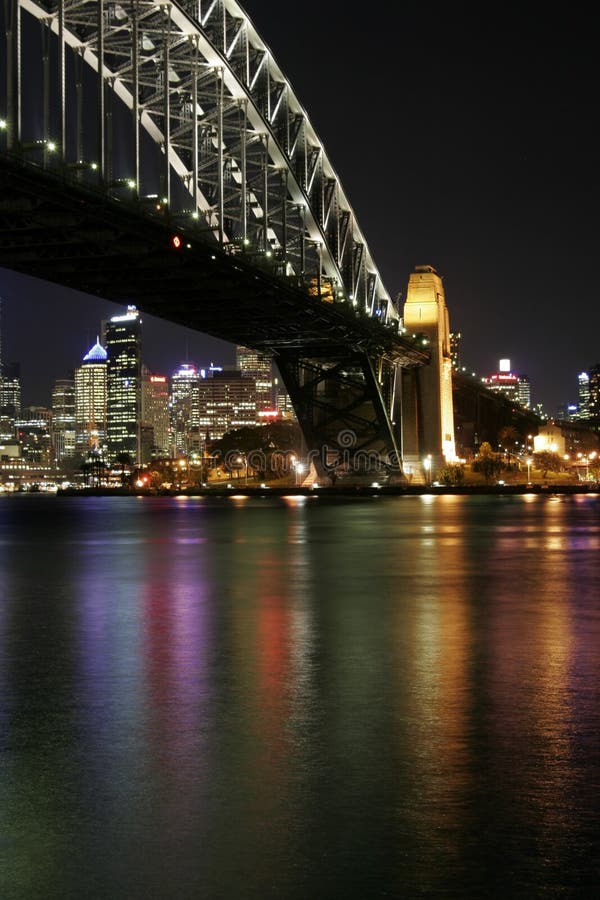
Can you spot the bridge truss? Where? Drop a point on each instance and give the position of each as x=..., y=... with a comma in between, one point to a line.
x=178, y=111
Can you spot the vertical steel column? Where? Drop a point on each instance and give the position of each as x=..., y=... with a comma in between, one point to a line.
x=247, y=56
x=284, y=202
x=79, y=98
x=396, y=407
x=268, y=90
x=46, y=26
x=302, y=211
x=286, y=111
x=265, y=190
x=62, y=113
x=219, y=102
x=195, y=143
x=135, y=63
x=13, y=75
x=319, y=249
x=101, y=110
x=243, y=165
x=166, y=107
x=108, y=138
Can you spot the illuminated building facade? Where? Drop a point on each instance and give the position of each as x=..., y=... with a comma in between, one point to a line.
x=282, y=401
x=63, y=418
x=504, y=381
x=230, y=402
x=90, y=400
x=155, y=411
x=594, y=394
x=259, y=368
x=10, y=399
x=34, y=431
x=583, y=396
x=184, y=411
x=549, y=438
x=123, y=342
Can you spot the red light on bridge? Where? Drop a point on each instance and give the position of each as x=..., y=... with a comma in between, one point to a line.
x=176, y=242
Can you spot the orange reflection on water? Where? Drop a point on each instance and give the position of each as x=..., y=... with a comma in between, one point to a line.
x=438, y=654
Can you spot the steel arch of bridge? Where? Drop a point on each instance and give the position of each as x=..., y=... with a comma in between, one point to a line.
x=236, y=150
x=178, y=110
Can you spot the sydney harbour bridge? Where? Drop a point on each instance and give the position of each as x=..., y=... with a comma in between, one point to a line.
x=154, y=153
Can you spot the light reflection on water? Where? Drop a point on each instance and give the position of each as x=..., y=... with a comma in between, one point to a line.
x=288, y=698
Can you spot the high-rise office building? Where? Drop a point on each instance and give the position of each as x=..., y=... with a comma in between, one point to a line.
x=231, y=402
x=184, y=410
x=594, y=394
x=259, y=368
x=504, y=381
x=90, y=400
x=583, y=396
x=63, y=418
x=123, y=342
x=34, y=431
x=10, y=399
x=155, y=410
x=282, y=401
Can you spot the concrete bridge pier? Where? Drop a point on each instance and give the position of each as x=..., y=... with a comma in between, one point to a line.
x=427, y=404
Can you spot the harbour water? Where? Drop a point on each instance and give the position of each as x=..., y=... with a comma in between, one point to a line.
x=293, y=698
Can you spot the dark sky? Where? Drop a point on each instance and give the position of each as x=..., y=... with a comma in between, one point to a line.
x=464, y=138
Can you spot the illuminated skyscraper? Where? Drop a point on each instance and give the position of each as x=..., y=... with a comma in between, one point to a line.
x=259, y=368
x=594, y=394
x=90, y=400
x=504, y=381
x=155, y=410
x=231, y=402
x=123, y=342
x=184, y=410
x=10, y=399
x=34, y=430
x=63, y=418
x=583, y=396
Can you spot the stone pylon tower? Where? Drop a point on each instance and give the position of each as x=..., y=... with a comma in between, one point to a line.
x=428, y=412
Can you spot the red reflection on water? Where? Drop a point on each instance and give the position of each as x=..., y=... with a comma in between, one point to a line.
x=176, y=648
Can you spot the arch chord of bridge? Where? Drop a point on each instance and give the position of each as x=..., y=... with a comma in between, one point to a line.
x=154, y=153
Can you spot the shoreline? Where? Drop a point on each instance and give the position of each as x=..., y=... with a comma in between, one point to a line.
x=337, y=491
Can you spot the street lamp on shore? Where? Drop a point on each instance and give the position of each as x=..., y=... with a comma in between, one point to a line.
x=243, y=460
x=529, y=460
x=427, y=467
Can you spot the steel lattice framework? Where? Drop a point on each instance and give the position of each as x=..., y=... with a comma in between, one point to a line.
x=125, y=124
x=214, y=133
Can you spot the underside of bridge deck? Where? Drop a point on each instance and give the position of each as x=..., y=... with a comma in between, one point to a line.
x=338, y=366
x=59, y=232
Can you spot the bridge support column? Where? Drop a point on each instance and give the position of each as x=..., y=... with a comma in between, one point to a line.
x=343, y=403
x=428, y=413
x=411, y=436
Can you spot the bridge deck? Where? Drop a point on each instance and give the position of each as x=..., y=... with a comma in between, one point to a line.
x=53, y=229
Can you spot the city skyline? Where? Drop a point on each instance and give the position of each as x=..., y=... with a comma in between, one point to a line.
x=165, y=345
x=482, y=134
x=158, y=354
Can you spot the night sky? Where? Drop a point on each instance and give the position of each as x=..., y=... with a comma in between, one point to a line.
x=464, y=138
